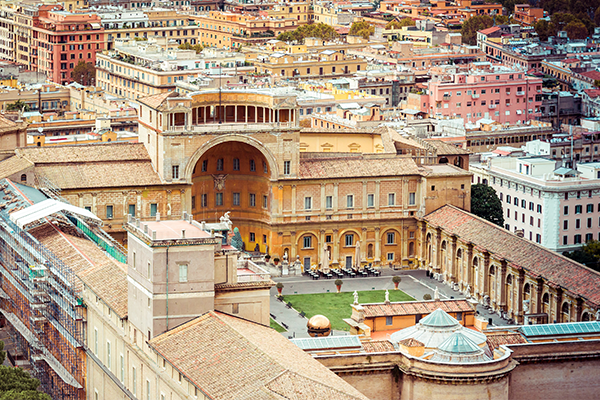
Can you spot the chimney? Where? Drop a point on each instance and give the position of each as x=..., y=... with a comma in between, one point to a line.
x=157, y=217
x=183, y=233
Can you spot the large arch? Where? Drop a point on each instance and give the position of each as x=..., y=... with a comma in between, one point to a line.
x=191, y=165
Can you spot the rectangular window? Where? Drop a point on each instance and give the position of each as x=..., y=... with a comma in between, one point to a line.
x=148, y=395
x=236, y=199
x=131, y=210
x=565, y=225
x=220, y=164
x=577, y=239
x=329, y=202
x=252, y=166
x=265, y=168
x=287, y=167
x=153, y=209
x=204, y=165
x=590, y=208
x=307, y=242
x=578, y=209
x=391, y=199
x=95, y=341
x=566, y=210
x=265, y=201
x=108, y=356
x=389, y=321
x=109, y=212
x=589, y=222
x=204, y=200
x=308, y=203
x=391, y=238
x=538, y=238
x=183, y=273
x=218, y=199
x=370, y=200
x=252, y=237
x=122, y=368
x=350, y=201
x=236, y=164
x=539, y=208
x=589, y=237
x=577, y=224
x=565, y=240
x=411, y=199
x=349, y=240
x=390, y=256
x=175, y=171
x=252, y=200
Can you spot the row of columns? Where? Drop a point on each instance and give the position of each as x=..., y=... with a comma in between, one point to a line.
x=241, y=113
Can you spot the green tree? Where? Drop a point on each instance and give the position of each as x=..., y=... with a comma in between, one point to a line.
x=236, y=240
x=486, y=204
x=589, y=254
x=472, y=25
x=576, y=30
x=400, y=24
x=321, y=31
x=17, y=106
x=362, y=29
x=544, y=29
x=188, y=46
x=84, y=73
x=16, y=384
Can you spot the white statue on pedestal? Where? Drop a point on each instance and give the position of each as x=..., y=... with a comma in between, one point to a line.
x=355, y=294
x=436, y=294
x=468, y=294
x=387, y=296
x=525, y=312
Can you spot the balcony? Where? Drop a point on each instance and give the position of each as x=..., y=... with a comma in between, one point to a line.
x=520, y=93
x=248, y=271
x=447, y=97
x=475, y=96
x=491, y=106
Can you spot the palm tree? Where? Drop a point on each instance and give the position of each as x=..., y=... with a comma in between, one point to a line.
x=18, y=105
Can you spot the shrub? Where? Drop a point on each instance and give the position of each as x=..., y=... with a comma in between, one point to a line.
x=279, y=285
x=339, y=282
x=426, y=296
x=396, y=279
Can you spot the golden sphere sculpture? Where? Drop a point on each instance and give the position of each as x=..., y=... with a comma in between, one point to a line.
x=318, y=326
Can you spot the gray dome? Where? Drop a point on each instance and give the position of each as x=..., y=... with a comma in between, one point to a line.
x=458, y=348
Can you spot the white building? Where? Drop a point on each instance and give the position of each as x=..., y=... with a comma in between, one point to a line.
x=556, y=207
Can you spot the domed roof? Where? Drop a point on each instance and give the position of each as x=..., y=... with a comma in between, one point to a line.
x=459, y=343
x=435, y=328
x=318, y=322
x=439, y=319
x=458, y=348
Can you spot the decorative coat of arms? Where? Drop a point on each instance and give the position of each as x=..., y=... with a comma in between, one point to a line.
x=219, y=181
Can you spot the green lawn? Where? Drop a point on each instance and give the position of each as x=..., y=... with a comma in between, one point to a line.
x=275, y=325
x=336, y=306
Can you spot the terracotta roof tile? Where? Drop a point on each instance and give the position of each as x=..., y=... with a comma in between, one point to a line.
x=444, y=148
x=415, y=307
x=85, y=153
x=378, y=346
x=411, y=342
x=231, y=358
x=356, y=167
x=537, y=260
x=495, y=340
x=156, y=100
x=13, y=165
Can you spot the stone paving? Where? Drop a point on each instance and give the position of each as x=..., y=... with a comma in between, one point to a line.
x=414, y=283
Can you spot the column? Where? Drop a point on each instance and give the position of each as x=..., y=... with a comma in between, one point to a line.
x=293, y=247
x=336, y=247
x=539, y=288
x=335, y=197
x=438, y=250
x=183, y=202
x=364, y=197
x=377, y=255
x=422, y=229
x=377, y=194
x=485, y=273
x=519, y=315
x=169, y=203
x=235, y=113
x=280, y=199
x=138, y=202
x=363, y=244
x=501, y=294
x=293, y=199
x=246, y=115
x=322, y=198
x=95, y=203
x=453, y=268
x=125, y=207
x=204, y=108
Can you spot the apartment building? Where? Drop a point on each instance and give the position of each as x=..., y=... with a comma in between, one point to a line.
x=141, y=68
x=556, y=207
x=48, y=39
x=526, y=14
x=485, y=91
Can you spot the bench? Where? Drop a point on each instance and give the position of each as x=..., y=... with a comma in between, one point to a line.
x=288, y=305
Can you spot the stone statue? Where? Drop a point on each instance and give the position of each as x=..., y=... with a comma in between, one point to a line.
x=355, y=294
x=387, y=296
x=436, y=294
x=486, y=300
x=598, y=315
x=525, y=306
x=468, y=294
x=219, y=181
x=285, y=256
x=225, y=219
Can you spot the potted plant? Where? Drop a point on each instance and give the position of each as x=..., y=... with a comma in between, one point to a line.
x=276, y=260
x=279, y=287
x=426, y=296
x=396, y=279
x=338, y=284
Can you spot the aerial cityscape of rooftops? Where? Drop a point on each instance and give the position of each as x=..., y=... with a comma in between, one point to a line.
x=293, y=199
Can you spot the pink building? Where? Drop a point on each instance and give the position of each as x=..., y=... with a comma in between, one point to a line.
x=491, y=92
x=63, y=40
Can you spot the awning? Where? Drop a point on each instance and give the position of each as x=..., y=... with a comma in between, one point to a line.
x=95, y=25
x=48, y=207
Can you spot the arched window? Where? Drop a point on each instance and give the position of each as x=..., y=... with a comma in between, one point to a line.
x=475, y=262
x=527, y=288
x=585, y=317
x=565, y=308
x=509, y=280
x=23, y=177
x=546, y=298
x=492, y=270
x=370, y=250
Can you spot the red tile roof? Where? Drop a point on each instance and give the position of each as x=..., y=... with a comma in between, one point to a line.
x=594, y=75
x=537, y=260
x=232, y=358
x=351, y=167
x=378, y=346
x=411, y=342
x=415, y=307
x=593, y=93
x=489, y=30
x=495, y=340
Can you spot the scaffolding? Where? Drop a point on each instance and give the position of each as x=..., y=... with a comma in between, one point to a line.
x=43, y=311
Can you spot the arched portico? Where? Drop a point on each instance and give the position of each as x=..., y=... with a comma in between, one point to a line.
x=273, y=166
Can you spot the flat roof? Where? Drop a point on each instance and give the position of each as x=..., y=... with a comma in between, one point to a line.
x=567, y=328
x=328, y=342
x=171, y=230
